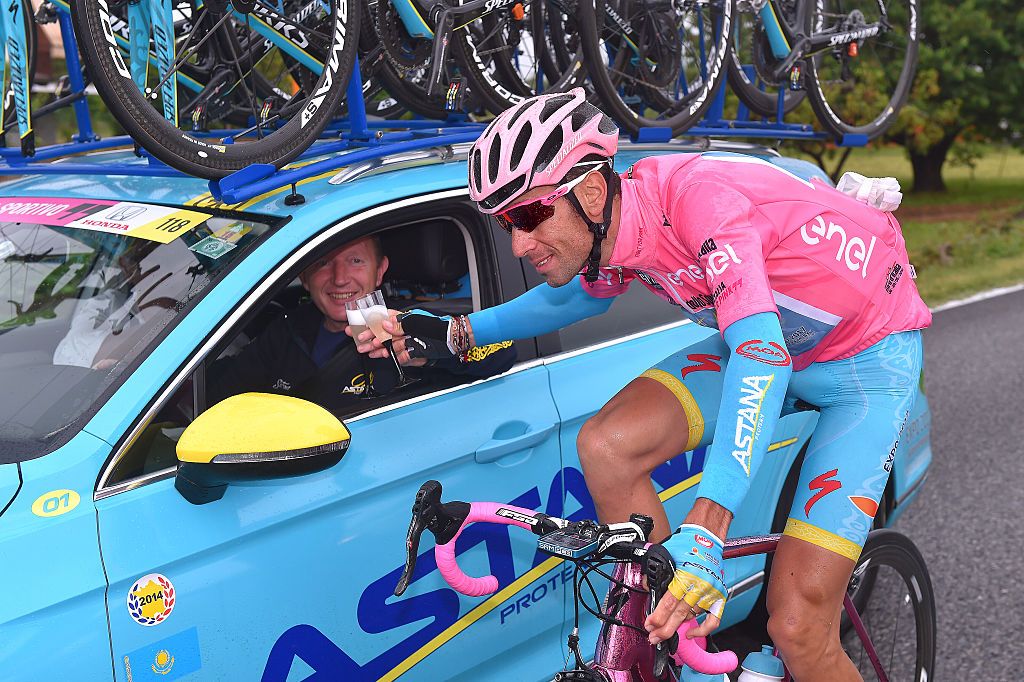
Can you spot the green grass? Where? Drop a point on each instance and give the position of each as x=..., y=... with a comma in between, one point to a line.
x=965, y=240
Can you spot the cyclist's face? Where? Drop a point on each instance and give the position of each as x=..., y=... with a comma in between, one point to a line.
x=559, y=246
x=343, y=275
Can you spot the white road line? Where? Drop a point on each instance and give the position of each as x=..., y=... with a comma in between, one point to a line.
x=985, y=295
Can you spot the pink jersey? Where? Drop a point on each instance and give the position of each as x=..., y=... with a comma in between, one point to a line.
x=725, y=236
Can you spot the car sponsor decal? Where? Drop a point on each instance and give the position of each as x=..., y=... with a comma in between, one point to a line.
x=824, y=485
x=161, y=224
x=167, y=659
x=55, y=503
x=151, y=599
x=705, y=363
x=769, y=353
x=865, y=504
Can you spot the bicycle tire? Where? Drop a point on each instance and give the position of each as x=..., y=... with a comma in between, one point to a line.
x=888, y=553
x=486, y=50
x=611, y=61
x=195, y=156
x=749, y=46
x=10, y=116
x=838, y=103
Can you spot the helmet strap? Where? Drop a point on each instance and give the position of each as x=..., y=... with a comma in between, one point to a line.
x=599, y=230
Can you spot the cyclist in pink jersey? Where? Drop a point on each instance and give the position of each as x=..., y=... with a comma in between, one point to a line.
x=812, y=292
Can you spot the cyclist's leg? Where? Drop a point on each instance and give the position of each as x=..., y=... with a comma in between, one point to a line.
x=668, y=410
x=865, y=401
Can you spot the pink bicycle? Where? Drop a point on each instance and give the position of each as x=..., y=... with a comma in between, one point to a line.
x=890, y=593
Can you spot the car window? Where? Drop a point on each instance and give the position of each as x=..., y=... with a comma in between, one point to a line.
x=432, y=265
x=634, y=311
x=85, y=289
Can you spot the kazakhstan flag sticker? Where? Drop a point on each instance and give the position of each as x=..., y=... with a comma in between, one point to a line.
x=167, y=659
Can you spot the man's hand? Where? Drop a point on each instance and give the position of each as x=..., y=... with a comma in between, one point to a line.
x=367, y=343
x=698, y=585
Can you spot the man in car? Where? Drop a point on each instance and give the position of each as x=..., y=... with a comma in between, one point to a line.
x=812, y=293
x=307, y=353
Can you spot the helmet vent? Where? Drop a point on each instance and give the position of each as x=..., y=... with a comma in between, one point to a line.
x=477, y=162
x=520, y=146
x=494, y=161
x=553, y=105
x=505, y=192
x=552, y=146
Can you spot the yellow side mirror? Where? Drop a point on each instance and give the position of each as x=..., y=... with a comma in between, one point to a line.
x=256, y=436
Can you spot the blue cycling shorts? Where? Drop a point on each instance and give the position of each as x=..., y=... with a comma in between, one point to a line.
x=864, y=403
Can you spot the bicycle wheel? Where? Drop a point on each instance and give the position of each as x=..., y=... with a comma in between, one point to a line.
x=859, y=87
x=759, y=90
x=655, y=63
x=279, y=131
x=899, y=613
x=504, y=56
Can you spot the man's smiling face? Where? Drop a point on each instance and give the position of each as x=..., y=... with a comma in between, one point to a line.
x=343, y=275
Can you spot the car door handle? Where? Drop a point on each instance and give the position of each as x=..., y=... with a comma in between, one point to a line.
x=499, y=447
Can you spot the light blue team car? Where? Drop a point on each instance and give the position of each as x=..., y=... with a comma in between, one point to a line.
x=116, y=294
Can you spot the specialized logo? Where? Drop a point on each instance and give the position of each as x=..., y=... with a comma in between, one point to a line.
x=824, y=485
x=151, y=599
x=892, y=277
x=865, y=504
x=705, y=363
x=281, y=385
x=851, y=251
x=719, y=260
x=749, y=418
x=769, y=353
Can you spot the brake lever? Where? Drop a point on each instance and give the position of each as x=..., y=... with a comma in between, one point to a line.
x=428, y=513
x=424, y=510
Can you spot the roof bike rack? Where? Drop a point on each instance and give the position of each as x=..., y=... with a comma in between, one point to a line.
x=714, y=124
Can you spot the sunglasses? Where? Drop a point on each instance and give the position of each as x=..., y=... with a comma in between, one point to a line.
x=528, y=216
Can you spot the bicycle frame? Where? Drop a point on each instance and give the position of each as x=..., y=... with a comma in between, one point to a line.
x=789, y=43
x=16, y=45
x=622, y=648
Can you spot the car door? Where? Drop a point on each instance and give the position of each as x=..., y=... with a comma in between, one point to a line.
x=281, y=579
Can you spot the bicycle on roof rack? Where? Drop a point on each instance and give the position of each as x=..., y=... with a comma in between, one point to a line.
x=889, y=593
x=287, y=65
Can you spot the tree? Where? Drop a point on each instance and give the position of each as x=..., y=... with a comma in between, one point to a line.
x=969, y=85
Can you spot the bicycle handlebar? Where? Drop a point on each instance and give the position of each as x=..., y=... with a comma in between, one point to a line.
x=447, y=521
x=486, y=512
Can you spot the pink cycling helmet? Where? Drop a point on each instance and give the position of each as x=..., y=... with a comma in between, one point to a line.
x=535, y=143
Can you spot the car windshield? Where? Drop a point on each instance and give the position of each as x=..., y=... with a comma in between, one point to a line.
x=85, y=290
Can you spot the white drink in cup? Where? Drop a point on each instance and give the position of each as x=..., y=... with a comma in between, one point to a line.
x=374, y=317
x=356, y=321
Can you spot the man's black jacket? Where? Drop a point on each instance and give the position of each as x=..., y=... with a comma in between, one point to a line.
x=280, y=360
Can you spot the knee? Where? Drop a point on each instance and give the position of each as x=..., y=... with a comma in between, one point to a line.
x=801, y=632
x=598, y=443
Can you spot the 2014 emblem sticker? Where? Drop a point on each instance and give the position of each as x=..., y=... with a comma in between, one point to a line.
x=151, y=599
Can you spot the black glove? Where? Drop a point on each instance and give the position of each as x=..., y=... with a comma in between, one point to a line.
x=427, y=336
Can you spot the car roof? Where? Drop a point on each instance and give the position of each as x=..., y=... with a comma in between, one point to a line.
x=354, y=187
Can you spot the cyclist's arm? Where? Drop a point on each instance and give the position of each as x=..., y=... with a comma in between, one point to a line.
x=541, y=310
x=754, y=385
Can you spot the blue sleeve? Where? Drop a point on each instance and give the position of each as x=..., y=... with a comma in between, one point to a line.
x=754, y=386
x=541, y=310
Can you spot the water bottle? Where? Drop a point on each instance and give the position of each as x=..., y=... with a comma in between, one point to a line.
x=762, y=666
